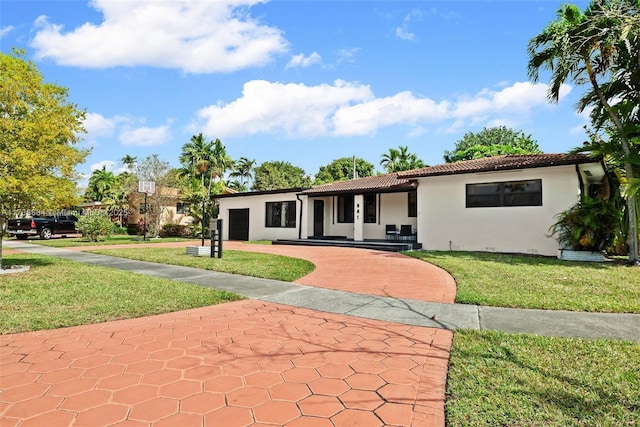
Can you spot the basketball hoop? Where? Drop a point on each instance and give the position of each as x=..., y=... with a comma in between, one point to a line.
x=146, y=187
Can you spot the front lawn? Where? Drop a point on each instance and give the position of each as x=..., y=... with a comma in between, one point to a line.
x=57, y=293
x=535, y=282
x=499, y=379
x=267, y=266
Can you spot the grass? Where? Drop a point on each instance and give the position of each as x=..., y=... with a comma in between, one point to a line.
x=118, y=239
x=57, y=293
x=257, y=242
x=536, y=282
x=498, y=379
x=267, y=266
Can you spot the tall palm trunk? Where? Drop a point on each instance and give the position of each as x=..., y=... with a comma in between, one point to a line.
x=628, y=167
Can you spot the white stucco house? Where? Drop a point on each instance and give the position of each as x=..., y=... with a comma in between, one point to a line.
x=497, y=204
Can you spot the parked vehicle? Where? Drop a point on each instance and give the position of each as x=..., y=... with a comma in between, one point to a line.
x=45, y=227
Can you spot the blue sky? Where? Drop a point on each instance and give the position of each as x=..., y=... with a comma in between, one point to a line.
x=303, y=81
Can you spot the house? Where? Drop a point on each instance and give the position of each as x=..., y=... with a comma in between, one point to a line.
x=497, y=204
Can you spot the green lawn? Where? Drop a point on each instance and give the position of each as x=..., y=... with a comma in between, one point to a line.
x=268, y=266
x=498, y=379
x=58, y=293
x=537, y=282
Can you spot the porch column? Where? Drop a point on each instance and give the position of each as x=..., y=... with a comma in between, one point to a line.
x=358, y=217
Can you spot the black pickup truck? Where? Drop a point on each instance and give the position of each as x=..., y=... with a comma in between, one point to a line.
x=45, y=227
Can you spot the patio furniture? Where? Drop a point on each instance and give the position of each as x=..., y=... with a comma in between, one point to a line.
x=391, y=233
x=406, y=233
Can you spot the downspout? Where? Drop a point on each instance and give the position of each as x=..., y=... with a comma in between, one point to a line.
x=581, y=182
x=300, y=219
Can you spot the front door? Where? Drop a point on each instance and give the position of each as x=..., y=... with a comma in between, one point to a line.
x=318, y=218
x=239, y=224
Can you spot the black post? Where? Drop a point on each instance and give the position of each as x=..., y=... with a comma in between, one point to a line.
x=202, y=222
x=219, y=230
x=216, y=240
x=144, y=226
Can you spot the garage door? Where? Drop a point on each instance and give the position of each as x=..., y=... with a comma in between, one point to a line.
x=239, y=224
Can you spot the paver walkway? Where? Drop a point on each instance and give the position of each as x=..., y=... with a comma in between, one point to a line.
x=354, y=270
x=243, y=363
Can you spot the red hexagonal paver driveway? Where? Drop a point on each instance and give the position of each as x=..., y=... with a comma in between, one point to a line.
x=231, y=362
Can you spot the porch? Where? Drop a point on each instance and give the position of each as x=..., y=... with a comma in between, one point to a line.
x=374, y=244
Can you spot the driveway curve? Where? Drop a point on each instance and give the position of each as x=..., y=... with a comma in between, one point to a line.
x=245, y=363
x=351, y=269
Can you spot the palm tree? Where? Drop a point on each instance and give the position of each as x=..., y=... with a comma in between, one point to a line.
x=243, y=171
x=129, y=162
x=400, y=160
x=221, y=162
x=196, y=158
x=390, y=160
x=413, y=162
x=600, y=48
x=101, y=183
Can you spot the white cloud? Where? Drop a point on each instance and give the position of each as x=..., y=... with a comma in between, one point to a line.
x=291, y=109
x=347, y=55
x=193, y=36
x=402, y=31
x=97, y=125
x=351, y=109
x=304, y=61
x=107, y=164
x=6, y=30
x=520, y=97
x=403, y=108
x=145, y=136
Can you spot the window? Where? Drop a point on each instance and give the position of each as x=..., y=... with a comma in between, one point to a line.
x=281, y=214
x=182, y=208
x=345, y=209
x=413, y=204
x=510, y=193
x=370, y=208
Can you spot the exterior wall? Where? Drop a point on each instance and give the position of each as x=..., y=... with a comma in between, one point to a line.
x=392, y=209
x=332, y=226
x=169, y=216
x=446, y=224
x=256, y=203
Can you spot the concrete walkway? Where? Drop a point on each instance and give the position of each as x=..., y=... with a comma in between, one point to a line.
x=304, y=354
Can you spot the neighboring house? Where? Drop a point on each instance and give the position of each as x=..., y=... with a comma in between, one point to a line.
x=175, y=210
x=498, y=204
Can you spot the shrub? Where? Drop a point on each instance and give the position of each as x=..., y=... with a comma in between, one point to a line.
x=174, y=230
x=589, y=225
x=96, y=225
x=120, y=230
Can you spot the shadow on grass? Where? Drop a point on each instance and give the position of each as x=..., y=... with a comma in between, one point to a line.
x=36, y=261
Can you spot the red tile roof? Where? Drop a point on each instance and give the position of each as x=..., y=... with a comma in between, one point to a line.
x=379, y=183
x=499, y=163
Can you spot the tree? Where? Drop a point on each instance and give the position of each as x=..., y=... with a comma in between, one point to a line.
x=129, y=162
x=158, y=171
x=599, y=48
x=491, y=142
x=400, y=160
x=121, y=195
x=101, y=184
x=279, y=175
x=242, y=172
x=204, y=165
x=95, y=225
x=196, y=158
x=341, y=169
x=39, y=130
